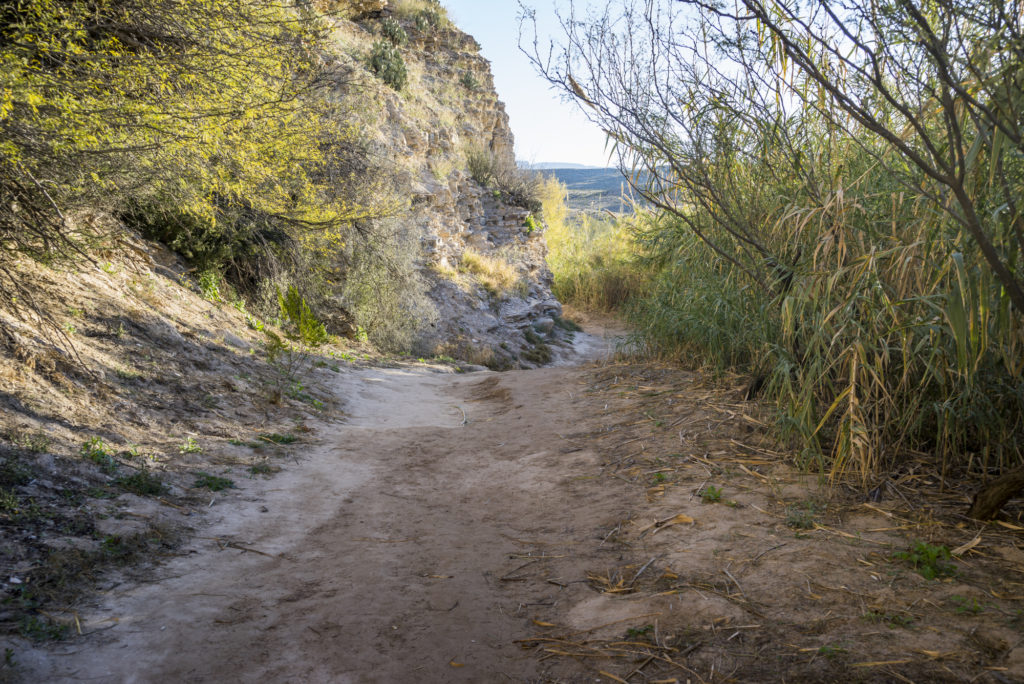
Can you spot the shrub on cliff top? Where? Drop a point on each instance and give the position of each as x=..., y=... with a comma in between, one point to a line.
x=426, y=14
x=518, y=187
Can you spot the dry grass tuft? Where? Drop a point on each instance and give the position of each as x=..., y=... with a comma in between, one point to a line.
x=497, y=276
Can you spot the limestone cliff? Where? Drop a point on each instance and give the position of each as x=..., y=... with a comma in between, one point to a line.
x=482, y=256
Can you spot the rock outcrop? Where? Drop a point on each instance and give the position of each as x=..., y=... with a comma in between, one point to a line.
x=448, y=112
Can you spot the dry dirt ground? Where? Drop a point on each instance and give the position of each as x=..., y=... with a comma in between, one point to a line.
x=598, y=523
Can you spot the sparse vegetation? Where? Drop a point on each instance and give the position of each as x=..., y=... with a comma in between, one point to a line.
x=277, y=438
x=426, y=14
x=891, y=619
x=38, y=442
x=214, y=483
x=518, y=187
x=497, y=276
x=711, y=494
x=97, y=451
x=966, y=605
x=801, y=516
x=930, y=561
x=190, y=446
x=263, y=468
x=40, y=629
x=143, y=483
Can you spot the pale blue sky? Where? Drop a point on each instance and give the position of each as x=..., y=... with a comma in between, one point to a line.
x=546, y=129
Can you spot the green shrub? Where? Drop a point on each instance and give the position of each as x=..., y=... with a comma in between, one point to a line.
x=301, y=323
x=213, y=482
x=387, y=63
x=393, y=31
x=430, y=18
x=209, y=285
x=383, y=288
x=515, y=186
x=469, y=81
x=142, y=483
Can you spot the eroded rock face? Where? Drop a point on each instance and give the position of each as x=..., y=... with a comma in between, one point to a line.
x=449, y=109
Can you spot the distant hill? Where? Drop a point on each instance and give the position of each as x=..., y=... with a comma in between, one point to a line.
x=593, y=189
x=544, y=166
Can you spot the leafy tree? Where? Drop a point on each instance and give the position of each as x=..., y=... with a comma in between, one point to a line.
x=185, y=113
x=837, y=206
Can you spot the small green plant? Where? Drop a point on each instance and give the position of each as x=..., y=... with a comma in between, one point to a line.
x=9, y=657
x=209, y=285
x=469, y=81
x=387, y=63
x=190, y=446
x=801, y=516
x=711, y=494
x=8, y=502
x=930, y=561
x=303, y=325
x=263, y=469
x=393, y=31
x=277, y=438
x=108, y=268
x=639, y=632
x=70, y=329
x=142, y=483
x=39, y=630
x=660, y=478
x=213, y=482
x=531, y=224
x=831, y=651
x=37, y=442
x=965, y=605
x=97, y=451
x=254, y=323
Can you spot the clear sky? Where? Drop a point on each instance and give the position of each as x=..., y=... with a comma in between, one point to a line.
x=546, y=128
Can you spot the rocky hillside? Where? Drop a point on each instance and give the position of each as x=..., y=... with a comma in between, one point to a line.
x=482, y=247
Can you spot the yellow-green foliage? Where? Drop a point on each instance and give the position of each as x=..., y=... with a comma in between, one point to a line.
x=497, y=276
x=180, y=97
x=591, y=257
x=188, y=114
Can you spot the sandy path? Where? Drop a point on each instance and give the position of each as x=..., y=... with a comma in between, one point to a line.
x=382, y=555
x=568, y=507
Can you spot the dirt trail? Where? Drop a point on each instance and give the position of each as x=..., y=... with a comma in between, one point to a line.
x=380, y=556
x=614, y=522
